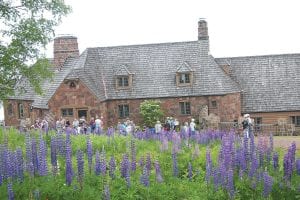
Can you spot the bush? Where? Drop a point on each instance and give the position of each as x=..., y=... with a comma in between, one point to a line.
x=151, y=112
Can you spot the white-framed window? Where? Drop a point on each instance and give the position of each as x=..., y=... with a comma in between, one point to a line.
x=295, y=120
x=123, y=81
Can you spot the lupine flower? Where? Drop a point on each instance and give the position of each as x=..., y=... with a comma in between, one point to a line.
x=69, y=170
x=43, y=169
x=287, y=166
x=230, y=184
x=142, y=162
x=89, y=153
x=268, y=183
x=216, y=178
x=35, y=158
x=103, y=162
x=298, y=166
x=275, y=160
x=144, y=179
x=148, y=162
x=254, y=166
x=175, y=164
x=106, y=194
x=53, y=147
x=125, y=169
x=29, y=163
x=271, y=142
x=159, y=178
x=112, y=167
x=208, y=166
x=80, y=165
x=133, y=155
x=97, y=163
x=19, y=163
x=165, y=144
x=10, y=191
x=190, y=171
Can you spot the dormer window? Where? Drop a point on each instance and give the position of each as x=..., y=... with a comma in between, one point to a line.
x=184, y=75
x=123, y=81
x=123, y=78
x=184, y=78
x=72, y=84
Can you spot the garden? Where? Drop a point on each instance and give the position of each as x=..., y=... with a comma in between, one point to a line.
x=143, y=165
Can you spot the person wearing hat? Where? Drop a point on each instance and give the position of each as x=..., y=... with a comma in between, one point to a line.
x=247, y=124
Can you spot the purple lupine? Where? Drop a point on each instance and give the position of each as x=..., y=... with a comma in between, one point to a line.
x=97, y=163
x=106, y=193
x=254, y=166
x=216, y=178
x=19, y=163
x=35, y=158
x=144, y=179
x=80, y=167
x=10, y=192
x=287, y=166
x=133, y=155
x=275, y=160
x=190, y=171
x=43, y=169
x=148, y=162
x=103, y=162
x=298, y=166
x=158, y=175
x=112, y=167
x=89, y=152
x=268, y=183
x=29, y=164
x=209, y=166
x=245, y=145
x=53, y=148
x=175, y=164
x=165, y=144
x=142, y=162
x=230, y=184
x=271, y=142
x=69, y=170
x=125, y=169
x=223, y=173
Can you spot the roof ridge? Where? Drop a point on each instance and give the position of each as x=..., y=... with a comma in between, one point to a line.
x=266, y=55
x=146, y=44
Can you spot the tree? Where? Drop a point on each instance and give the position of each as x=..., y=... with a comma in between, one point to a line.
x=151, y=112
x=26, y=27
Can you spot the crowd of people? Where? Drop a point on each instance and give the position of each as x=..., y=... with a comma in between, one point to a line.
x=95, y=125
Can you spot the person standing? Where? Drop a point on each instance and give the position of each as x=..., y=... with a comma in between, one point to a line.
x=247, y=125
x=158, y=127
x=192, y=126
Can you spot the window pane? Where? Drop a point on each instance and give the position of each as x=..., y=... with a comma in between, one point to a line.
x=120, y=111
x=125, y=81
x=187, y=78
x=126, y=110
x=120, y=82
x=70, y=112
x=187, y=108
x=21, y=111
x=297, y=121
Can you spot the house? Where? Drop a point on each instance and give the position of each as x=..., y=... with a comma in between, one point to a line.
x=113, y=81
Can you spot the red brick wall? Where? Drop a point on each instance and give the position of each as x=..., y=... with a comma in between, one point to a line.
x=13, y=119
x=79, y=97
x=228, y=108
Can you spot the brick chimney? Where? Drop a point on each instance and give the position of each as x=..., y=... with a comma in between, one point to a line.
x=64, y=47
x=202, y=29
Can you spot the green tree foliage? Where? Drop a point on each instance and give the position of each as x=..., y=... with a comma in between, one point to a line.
x=26, y=26
x=151, y=112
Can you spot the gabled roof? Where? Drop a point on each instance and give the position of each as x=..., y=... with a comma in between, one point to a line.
x=270, y=83
x=122, y=71
x=184, y=67
x=154, y=67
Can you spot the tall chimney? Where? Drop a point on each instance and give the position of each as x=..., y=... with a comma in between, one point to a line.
x=64, y=47
x=202, y=29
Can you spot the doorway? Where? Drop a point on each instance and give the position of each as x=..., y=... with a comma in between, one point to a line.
x=82, y=113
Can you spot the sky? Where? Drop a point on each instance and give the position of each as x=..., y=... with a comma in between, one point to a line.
x=236, y=27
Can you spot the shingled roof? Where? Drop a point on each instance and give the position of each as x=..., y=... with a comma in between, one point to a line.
x=270, y=83
x=153, y=67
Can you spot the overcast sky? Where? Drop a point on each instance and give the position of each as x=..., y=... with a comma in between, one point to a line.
x=236, y=27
